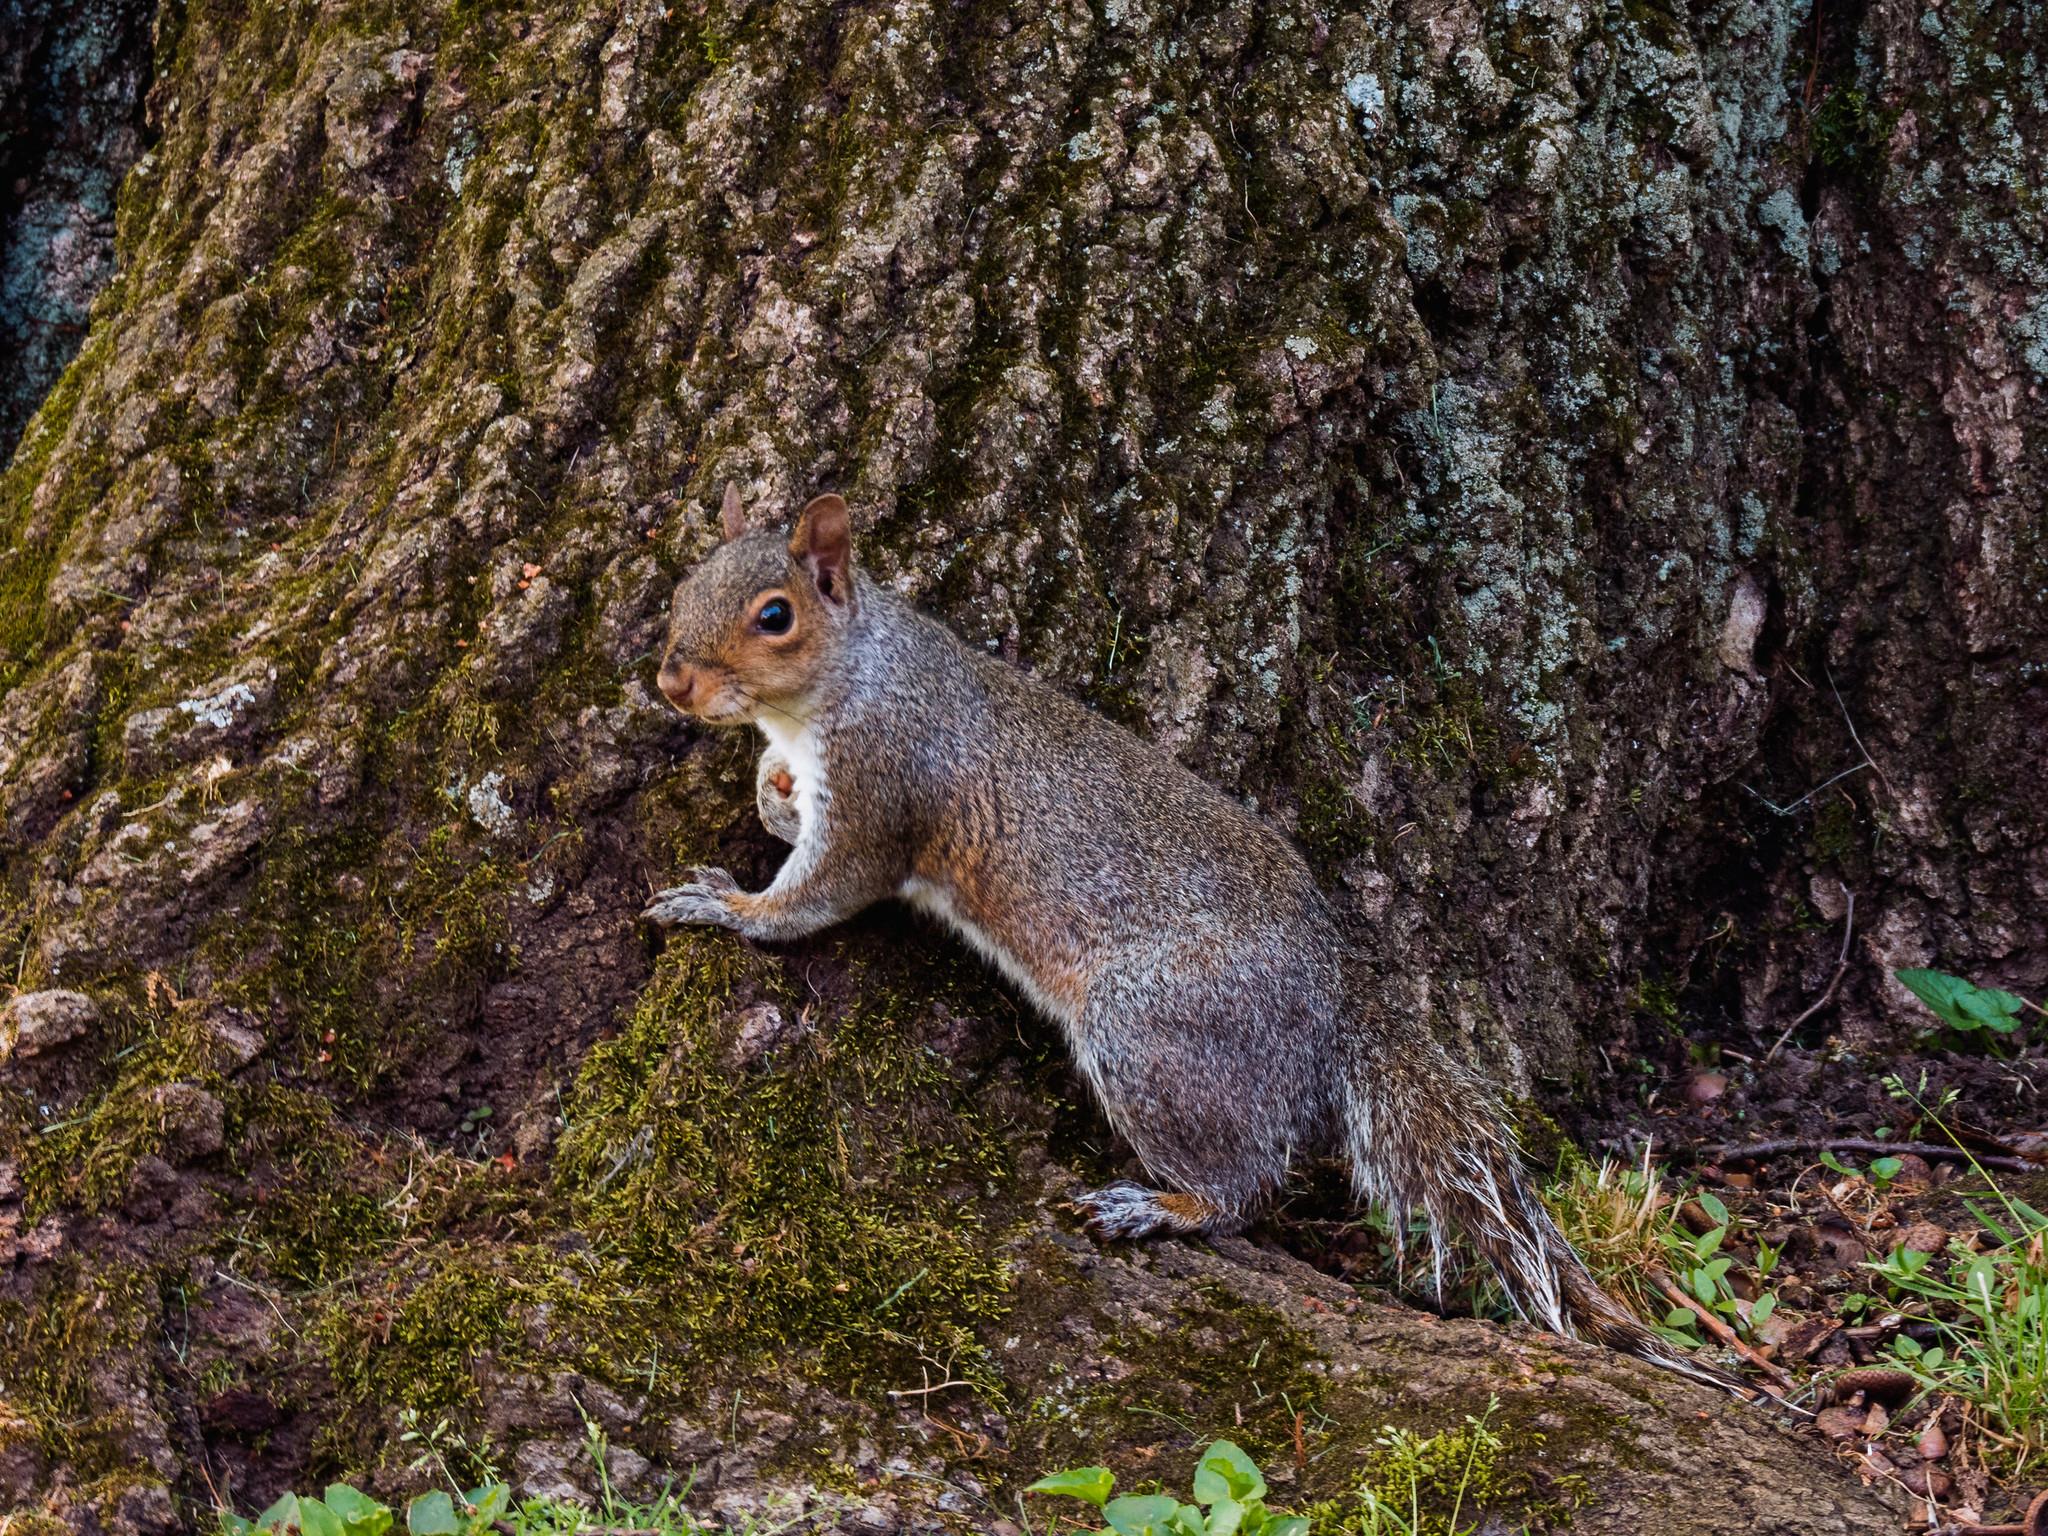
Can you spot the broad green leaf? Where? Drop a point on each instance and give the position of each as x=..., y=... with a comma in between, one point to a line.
x=432, y=1514
x=360, y=1514
x=1188, y=1521
x=1998, y=1010
x=1226, y=1517
x=1090, y=1483
x=232, y=1524
x=316, y=1519
x=1144, y=1514
x=1886, y=1168
x=1711, y=1204
x=281, y=1516
x=1962, y=1004
x=1829, y=1160
x=1760, y=1311
x=1679, y=1317
x=1906, y=1348
x=489, y=1502
x=1293, y=1525
x=1226, y=1472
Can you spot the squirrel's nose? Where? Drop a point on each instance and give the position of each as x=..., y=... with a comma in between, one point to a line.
x=678, y=682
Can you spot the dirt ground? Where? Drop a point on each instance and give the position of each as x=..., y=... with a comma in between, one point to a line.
x=1751, y=1131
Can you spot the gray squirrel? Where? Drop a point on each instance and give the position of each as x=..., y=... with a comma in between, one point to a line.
x=1179, y=942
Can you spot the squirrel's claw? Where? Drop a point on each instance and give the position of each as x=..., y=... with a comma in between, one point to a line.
x=702, y=898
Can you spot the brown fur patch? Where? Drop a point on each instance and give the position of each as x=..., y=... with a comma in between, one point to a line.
x=1190, y=1209
x=965, y=864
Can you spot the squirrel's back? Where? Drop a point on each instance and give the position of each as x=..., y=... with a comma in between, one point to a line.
x=1065, y=838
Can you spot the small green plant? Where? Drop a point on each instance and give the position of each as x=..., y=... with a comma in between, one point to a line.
x=1622, y=1222
x=1618, y=1218
x=1917, y=1356
x=1991, y=1309
x=1452, y=1483
x=1961, y=1005
x=1703, y=1269
x=1849, y=129
x=1410, y=1463
x=1229, y=1499
x=1879, y=1174
x=344, y=1511
x=347, y=1511
x=483, y=1511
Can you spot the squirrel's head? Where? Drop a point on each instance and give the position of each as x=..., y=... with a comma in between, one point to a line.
x=752, y=628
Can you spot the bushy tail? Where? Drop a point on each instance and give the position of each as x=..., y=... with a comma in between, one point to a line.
x=1424, y=1134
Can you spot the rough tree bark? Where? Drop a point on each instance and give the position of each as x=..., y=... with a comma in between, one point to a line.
x=71, y=82
x=1487, y=438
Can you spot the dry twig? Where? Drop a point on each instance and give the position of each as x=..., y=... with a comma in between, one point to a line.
x=1834, y=981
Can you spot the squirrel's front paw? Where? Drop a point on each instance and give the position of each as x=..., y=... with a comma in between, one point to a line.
x=775, y=797
x=705, y=896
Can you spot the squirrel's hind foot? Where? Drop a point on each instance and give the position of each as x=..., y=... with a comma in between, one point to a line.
x=1125, y=1210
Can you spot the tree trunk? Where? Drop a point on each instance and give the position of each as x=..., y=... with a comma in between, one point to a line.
x=1525, y=451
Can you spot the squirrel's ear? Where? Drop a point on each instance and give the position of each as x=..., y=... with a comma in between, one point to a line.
x=822, y=543
x=731, y=513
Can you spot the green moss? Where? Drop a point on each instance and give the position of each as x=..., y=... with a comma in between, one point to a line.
x=83, y=1161
x=1657, y=1000
x=1332, y=827
x=359, y=944
x=1456, y=730
x=834, y=1212
x=79, y=1319
x=1834, y=829
x=1544, y=1142
x=321, y=1197
x=1437, y=1484
x=418, y=1337
x=837, y=1202
x=31, y=536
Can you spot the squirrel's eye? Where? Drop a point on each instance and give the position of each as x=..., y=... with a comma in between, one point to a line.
x=775, y=617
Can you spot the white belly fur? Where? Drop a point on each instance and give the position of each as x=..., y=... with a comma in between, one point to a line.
x=806, y=769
